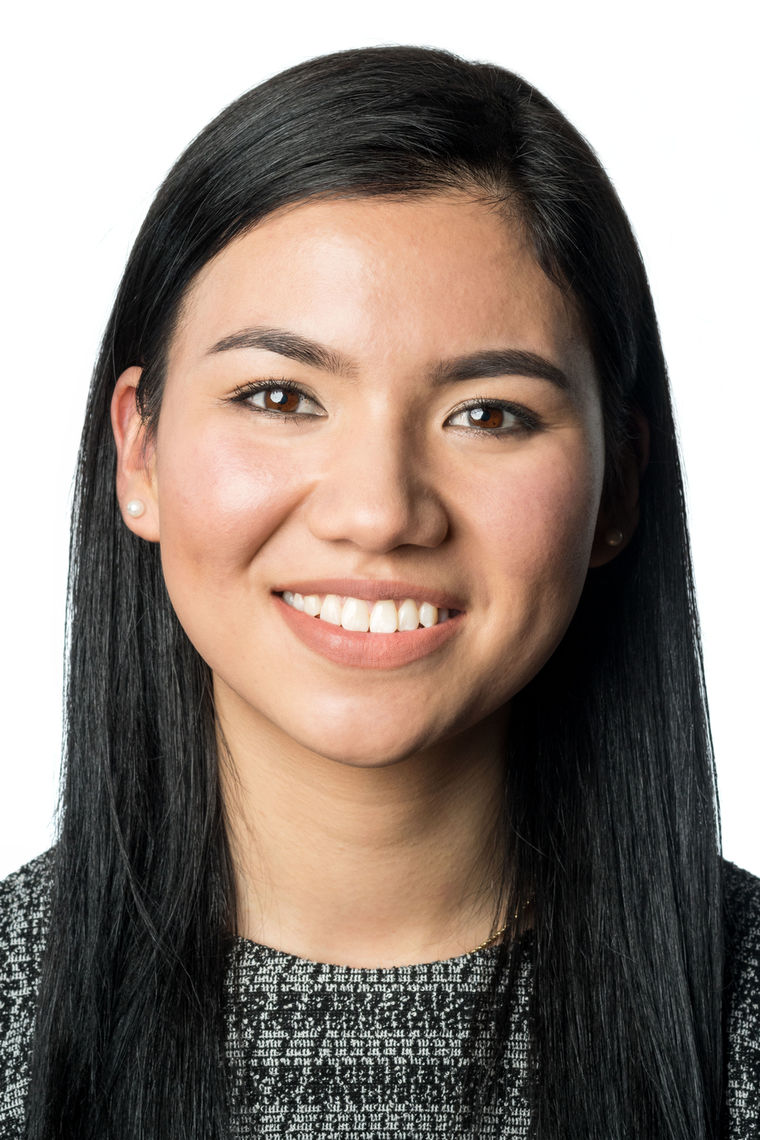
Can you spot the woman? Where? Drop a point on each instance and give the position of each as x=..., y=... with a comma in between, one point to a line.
x=389, y=804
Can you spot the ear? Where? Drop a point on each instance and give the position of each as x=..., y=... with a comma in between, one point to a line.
x=135, y=464
x=618, y=520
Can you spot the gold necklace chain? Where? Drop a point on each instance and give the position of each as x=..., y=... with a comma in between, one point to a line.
x=503, y=930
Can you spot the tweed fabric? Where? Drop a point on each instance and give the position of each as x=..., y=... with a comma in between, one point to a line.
x=320, y=1050
x=742, y=996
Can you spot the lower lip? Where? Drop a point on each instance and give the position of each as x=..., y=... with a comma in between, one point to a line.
x=367, y=650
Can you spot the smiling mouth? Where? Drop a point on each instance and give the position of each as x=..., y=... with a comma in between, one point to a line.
x=361, y=616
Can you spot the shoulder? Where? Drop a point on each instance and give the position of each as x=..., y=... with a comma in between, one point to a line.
x=24, y=918
x=741, y=912
x=741, y=902
x=24, y=899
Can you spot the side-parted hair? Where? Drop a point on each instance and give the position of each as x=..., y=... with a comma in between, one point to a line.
x=609, y=818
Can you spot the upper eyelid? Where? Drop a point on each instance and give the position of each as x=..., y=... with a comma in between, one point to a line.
x=491, y=402
x=272, y=383
x=521, y=413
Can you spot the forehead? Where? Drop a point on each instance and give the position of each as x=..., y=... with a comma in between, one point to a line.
x=385, y=278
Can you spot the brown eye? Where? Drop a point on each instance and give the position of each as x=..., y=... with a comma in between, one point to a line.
x=281, y=400
x=491, y=418
x=486, y=416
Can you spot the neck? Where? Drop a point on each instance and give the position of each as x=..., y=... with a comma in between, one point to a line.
x=363, y=866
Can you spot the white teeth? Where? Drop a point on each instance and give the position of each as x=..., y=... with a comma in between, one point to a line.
x=383, y=618
x=331, y=610
x=428, y=615
x=355, y=615
x=408, y=615
x=361, y=617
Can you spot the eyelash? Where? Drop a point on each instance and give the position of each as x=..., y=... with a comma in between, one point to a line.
x=244, y=393
x=526, y=421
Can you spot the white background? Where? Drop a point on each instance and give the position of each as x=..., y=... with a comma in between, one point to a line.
x=98, y=100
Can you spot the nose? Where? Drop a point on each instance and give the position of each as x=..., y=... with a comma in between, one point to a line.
x=378, y=492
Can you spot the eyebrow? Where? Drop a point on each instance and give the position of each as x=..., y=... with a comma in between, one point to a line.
x=478, y=365
x=289, y=344
x=500, y=362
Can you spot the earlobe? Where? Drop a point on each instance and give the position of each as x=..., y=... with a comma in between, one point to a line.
x=136, y=484
x=609, y=540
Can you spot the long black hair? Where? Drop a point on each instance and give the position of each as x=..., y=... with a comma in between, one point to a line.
x=609, y=818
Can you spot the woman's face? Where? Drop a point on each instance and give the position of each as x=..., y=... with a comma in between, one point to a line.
x=378, y=400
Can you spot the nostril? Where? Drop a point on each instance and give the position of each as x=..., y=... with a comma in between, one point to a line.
x=378, y=522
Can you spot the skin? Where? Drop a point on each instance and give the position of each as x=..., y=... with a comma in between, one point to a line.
x=361, y=802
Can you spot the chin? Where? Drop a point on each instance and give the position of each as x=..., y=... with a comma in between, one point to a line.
x=347, y=733
x=372, y=746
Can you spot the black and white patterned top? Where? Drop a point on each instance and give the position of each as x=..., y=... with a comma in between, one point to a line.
x=320, y=1050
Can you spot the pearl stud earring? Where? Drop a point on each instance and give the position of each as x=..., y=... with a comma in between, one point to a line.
x=135, y=508
x=614, y=537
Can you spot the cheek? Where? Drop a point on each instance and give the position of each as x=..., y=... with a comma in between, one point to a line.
x=219, y=502
x=542, y=516
x=559, y=519
x=534, y=534
x=534, y=559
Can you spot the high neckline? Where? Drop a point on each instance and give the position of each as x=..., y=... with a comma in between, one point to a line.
x=248, y=948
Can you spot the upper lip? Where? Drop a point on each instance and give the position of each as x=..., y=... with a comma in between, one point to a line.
x=373, y=591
